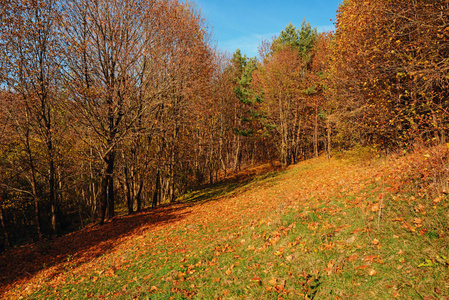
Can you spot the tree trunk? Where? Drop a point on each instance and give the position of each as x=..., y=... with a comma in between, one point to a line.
x=139, y=197
x=111, y=192
x=237, y=152
x=129, y=197
x=211, y=175
x=107, y=189
x=103, y=199
x=156, y=194
x=2, y=224
x=33, y=183
x=52, y=183
x=36, y=205
x=171, y=179
x=128, y=190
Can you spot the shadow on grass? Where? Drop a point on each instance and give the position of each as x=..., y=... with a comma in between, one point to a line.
x=77, y=248
x=234, y=185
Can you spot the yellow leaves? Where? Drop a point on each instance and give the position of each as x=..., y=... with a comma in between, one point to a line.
x=329, y=268
x=313, y=226
x=279, y=252
x=154, y=288
x=376, y=207
x=274, y=241
x=277, y=285
x=273, y=281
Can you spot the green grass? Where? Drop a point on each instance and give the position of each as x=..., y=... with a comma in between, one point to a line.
x=331, y=244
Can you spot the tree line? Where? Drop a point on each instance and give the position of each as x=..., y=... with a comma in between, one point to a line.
x=111, y=105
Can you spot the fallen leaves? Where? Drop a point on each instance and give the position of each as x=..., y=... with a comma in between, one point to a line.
x=417, y=222
x=437, y=199
x=285, y=243
x=329, y=268
x=153, y=288
x=277, y=285
x=362, y=267
x=313, y=226
x=370, y=258
x=376, y=207
x=352, y=257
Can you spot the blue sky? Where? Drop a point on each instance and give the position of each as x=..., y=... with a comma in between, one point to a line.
x=242, y=24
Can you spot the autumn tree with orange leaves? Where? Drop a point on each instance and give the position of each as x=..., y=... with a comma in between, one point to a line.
x=30, y=66
x=112, y=103
x=104, y=97
x=390, y=71
x=291, y=80
x=135, y=68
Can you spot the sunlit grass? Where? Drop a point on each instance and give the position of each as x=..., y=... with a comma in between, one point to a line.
x=320, y=229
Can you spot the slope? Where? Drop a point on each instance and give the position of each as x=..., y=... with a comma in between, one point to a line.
x=346, y=227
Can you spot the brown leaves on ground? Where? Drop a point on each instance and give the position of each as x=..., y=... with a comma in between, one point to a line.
x=48, y=259
x=28, y=265
x=248, y=202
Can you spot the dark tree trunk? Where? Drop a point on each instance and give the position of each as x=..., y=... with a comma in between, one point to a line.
x=2, y=224
x=139, y=196
x=171, y=179
x=111, y=192
x=129, y=191
x=103, y=199
x=52, y=183
x=156, y=194
x=107, y=189
x=33, y=183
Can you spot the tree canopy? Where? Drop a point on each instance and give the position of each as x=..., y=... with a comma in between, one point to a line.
x=117, y=105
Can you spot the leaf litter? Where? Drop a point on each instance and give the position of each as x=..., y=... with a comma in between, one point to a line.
x=311, y=230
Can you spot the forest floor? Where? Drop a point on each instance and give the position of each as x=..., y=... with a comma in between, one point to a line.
x=366, y=228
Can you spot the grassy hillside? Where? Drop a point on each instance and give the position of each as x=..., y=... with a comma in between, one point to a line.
x=353, y=226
